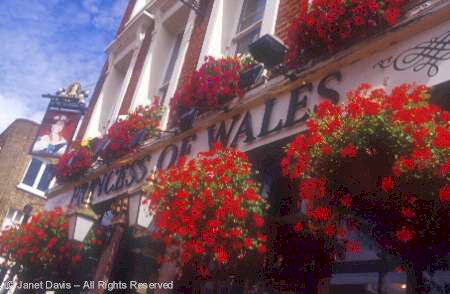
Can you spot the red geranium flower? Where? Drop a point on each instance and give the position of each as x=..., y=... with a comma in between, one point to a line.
x=388, y=183
x=346, y=200
x=321, y=213
x=405, y=234
x=298, y=227
x=444, y=194
x=349, y=150
x=408, y=212
x=354, y=247
x=259, y=221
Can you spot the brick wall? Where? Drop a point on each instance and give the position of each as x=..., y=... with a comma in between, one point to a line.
x=14, y=159
x=126, y=16
x=196, y=42
x=287, y=11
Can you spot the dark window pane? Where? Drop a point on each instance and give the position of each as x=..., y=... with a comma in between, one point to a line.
x=252, y=12
x=245, y=41
x=173, y=58
x=440, y=95
x=32, y=172
x=163, y=93
x=18, y=217
x=46, y=178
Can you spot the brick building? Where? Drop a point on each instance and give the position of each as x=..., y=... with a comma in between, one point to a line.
x=18, y=189
x=160, y=43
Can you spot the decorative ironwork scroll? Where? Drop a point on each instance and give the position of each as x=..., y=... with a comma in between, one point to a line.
x=424, y=56
x=196, y=5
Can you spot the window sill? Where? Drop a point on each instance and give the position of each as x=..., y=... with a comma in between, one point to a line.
x=247, y=30
x=31, y=190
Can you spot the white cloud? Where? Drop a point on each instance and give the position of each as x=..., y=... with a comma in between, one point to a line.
x=90, y=6
x=108, y=18
x=48, y=44
x=13, y=108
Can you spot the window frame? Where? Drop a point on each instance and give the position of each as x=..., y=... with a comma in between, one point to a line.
x=12, y=220
x=240, y=35
x=176, y=48
x=33, y=189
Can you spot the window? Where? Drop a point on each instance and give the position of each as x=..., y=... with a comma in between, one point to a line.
x=170, y=68
x=12, y=218
x=440, y=95
x=38, y=177
x=249, y=25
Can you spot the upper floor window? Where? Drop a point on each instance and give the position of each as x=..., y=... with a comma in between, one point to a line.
x=38, y=177
x=170, y=68
x=249, y=25
x=12, y=218
x=440, y=95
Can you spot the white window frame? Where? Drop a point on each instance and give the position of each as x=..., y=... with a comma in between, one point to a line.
x=33, y=189
x=242, y=34
x=12, y=219
x=216, y=46
x=165, y=84
x=151, y=75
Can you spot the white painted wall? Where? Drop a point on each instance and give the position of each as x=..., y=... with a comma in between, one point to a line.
x=158, y=57
x=168, y=24
x=223, y=26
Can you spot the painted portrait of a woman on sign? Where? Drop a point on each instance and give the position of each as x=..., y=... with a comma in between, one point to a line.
x=55, y=133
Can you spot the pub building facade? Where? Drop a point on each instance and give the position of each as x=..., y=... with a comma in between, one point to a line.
x=161, y=42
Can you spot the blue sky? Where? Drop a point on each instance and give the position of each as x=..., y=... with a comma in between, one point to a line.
x=48, y=44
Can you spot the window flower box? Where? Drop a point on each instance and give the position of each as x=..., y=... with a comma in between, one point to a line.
x=209, y=88
x=324, y=27
x=123, y=137
x=248, y=77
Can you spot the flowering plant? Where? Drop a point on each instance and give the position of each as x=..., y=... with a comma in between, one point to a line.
x=143, y=122
x=330, y=24
x=121, y=133
x=41, y=249
x=247, y=61
x=210, y=209
x=146, y=118
x=74, y=163
x=216, y=82
x=383, y=160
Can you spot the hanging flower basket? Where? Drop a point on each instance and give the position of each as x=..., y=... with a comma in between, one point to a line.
x=41, y=249
x=74, y=164
x=327, y=26
x=209, y=209
x=123, y=137
x=248, y=77
x=381, y=161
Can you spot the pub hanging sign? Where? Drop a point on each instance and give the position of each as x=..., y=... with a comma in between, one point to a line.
x=60, y=122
